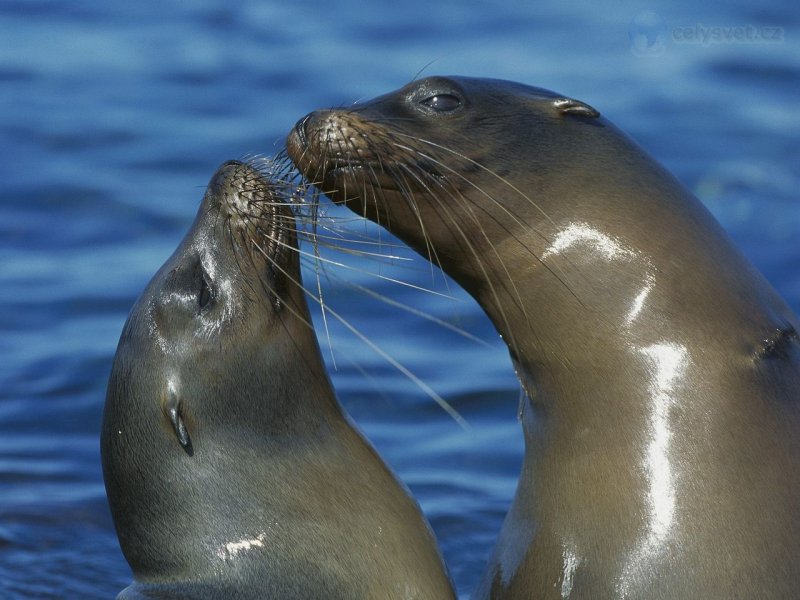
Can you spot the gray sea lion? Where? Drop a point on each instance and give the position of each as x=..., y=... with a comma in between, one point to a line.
x=662, y=422
x=230, y=468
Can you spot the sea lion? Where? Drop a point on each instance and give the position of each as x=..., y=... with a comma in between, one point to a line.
x=230, y=467
x=661, y=370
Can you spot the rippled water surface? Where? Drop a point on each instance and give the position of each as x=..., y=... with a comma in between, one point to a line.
x=113, y=116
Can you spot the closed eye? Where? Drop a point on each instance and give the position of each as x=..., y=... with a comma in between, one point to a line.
x=205, y=296
x=442, y=102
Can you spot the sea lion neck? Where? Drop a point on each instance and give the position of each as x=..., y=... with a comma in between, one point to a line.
x=589, y=296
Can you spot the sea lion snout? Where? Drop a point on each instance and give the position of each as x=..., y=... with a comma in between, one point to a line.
x=341, y=136
x=241, y=191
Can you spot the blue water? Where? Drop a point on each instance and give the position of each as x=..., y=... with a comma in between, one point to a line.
x=113, y=116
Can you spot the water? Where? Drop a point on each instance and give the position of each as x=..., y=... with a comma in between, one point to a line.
x=114, y=115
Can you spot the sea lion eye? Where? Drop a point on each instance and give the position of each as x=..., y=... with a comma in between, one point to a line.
x=205, y=296
x=442, y=102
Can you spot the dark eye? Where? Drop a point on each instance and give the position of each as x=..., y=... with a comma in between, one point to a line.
x=205, y=291
x=442, y=102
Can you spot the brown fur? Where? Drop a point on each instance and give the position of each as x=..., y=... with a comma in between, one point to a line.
x=662, y=424
x=230, y=468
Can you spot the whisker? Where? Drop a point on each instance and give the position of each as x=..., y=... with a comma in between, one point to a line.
x=445, y=213
x=419, y=313
x=494, y=201
x=444, y=404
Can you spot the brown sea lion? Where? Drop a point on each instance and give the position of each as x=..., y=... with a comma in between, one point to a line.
x=662, y=371
x=230, y=467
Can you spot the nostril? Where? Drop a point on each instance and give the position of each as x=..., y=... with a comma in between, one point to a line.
x=301, y=129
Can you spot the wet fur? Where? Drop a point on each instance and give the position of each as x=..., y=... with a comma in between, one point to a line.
x=486, y=193
x=230, y=468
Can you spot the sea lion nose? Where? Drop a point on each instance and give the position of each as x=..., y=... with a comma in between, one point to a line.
x=222, y=179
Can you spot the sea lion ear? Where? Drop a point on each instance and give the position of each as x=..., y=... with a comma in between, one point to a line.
x=568, y=106
x=174, y=409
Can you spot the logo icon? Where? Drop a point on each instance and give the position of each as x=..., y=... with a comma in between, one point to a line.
x=648, y=34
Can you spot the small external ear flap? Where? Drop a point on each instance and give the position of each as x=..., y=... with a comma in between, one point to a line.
x=568, y=106
x=173, y=408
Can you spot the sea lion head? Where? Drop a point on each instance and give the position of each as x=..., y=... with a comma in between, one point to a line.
x=216, y=302
x=213, y=361
x=448, y=164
